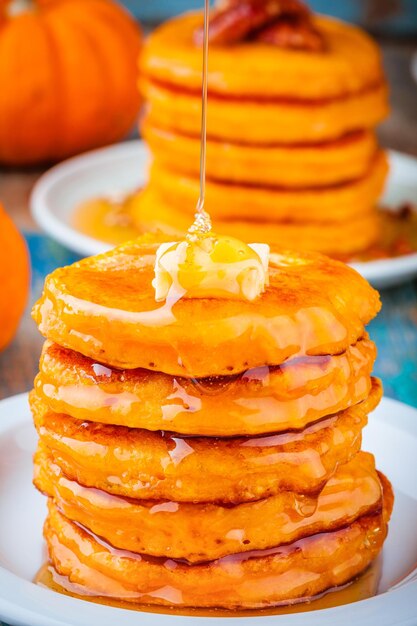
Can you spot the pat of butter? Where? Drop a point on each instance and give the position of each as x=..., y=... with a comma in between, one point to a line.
x=211, y=267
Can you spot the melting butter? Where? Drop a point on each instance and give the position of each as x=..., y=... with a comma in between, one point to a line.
x=211, y=266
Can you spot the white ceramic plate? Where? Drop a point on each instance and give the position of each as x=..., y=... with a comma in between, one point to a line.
x=391, y=436
x=122, y=168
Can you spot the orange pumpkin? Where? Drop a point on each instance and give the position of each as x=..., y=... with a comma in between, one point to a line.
x=14, y=278
x=68, y=70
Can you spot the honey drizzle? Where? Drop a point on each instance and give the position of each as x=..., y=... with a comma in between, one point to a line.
x=202, y=222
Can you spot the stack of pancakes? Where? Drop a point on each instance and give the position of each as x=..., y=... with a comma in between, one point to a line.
x=207, y=452
x=292, y=156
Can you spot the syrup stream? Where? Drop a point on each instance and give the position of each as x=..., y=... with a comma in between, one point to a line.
x=202, y=222
x=203, y=137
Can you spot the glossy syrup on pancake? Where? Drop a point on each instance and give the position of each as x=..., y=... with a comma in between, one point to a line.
x=160, y=465
x=259, y=400
x=165, y=527
x=361, y=588
x=257, y=577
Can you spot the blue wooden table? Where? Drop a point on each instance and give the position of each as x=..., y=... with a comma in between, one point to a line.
x=395, y=333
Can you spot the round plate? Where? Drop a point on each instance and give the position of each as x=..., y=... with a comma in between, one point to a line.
x=391, y=436
x=122, y=168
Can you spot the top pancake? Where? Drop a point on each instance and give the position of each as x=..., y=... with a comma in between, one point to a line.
x=104, y=307
x=349, y=64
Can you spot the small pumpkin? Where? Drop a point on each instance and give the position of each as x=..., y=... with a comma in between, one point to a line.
x=14, y=278
x=68, y=70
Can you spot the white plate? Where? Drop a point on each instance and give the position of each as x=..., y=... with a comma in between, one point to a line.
x=391, y=436
x=122, y=168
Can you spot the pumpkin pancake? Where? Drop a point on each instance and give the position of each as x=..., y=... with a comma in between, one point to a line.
x=152, y=213
x=265, y=121
x=279, y=207
x=204, y=532
x=349, y=63
x=253, y=579
x=166, y=466
x=266, y=399
x=104, y=307
x=297, y=166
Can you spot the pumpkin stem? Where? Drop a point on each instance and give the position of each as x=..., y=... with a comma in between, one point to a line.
x=16, y=7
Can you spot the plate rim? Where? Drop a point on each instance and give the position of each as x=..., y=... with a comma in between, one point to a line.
x=46, y=219
x=380, y=271
x=14, y=412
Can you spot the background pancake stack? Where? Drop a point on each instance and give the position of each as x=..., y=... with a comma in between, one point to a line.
x=292, y=157
x=206, y=453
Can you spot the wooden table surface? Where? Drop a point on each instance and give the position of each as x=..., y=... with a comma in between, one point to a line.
x=395, y=330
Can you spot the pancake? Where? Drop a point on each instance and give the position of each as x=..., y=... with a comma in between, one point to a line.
x=166, y=466
x=328, y=207
x=152, y=213
x=297, y=166
x=261, y=400
x=204, y=532
x=350, y=63
x=263, y=121
x=104, y=307
x=247, y=580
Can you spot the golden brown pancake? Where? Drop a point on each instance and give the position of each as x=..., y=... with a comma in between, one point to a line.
x=167, y=466
x=280, y=207
x=262, y=120
x=247, y=580
x=104, y=307
x=153, y=213
x=204, y=532
x=297, y=166
x=261, y=400
x=350, y=63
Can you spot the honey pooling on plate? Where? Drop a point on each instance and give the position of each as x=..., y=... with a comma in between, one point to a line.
x=209, y=458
